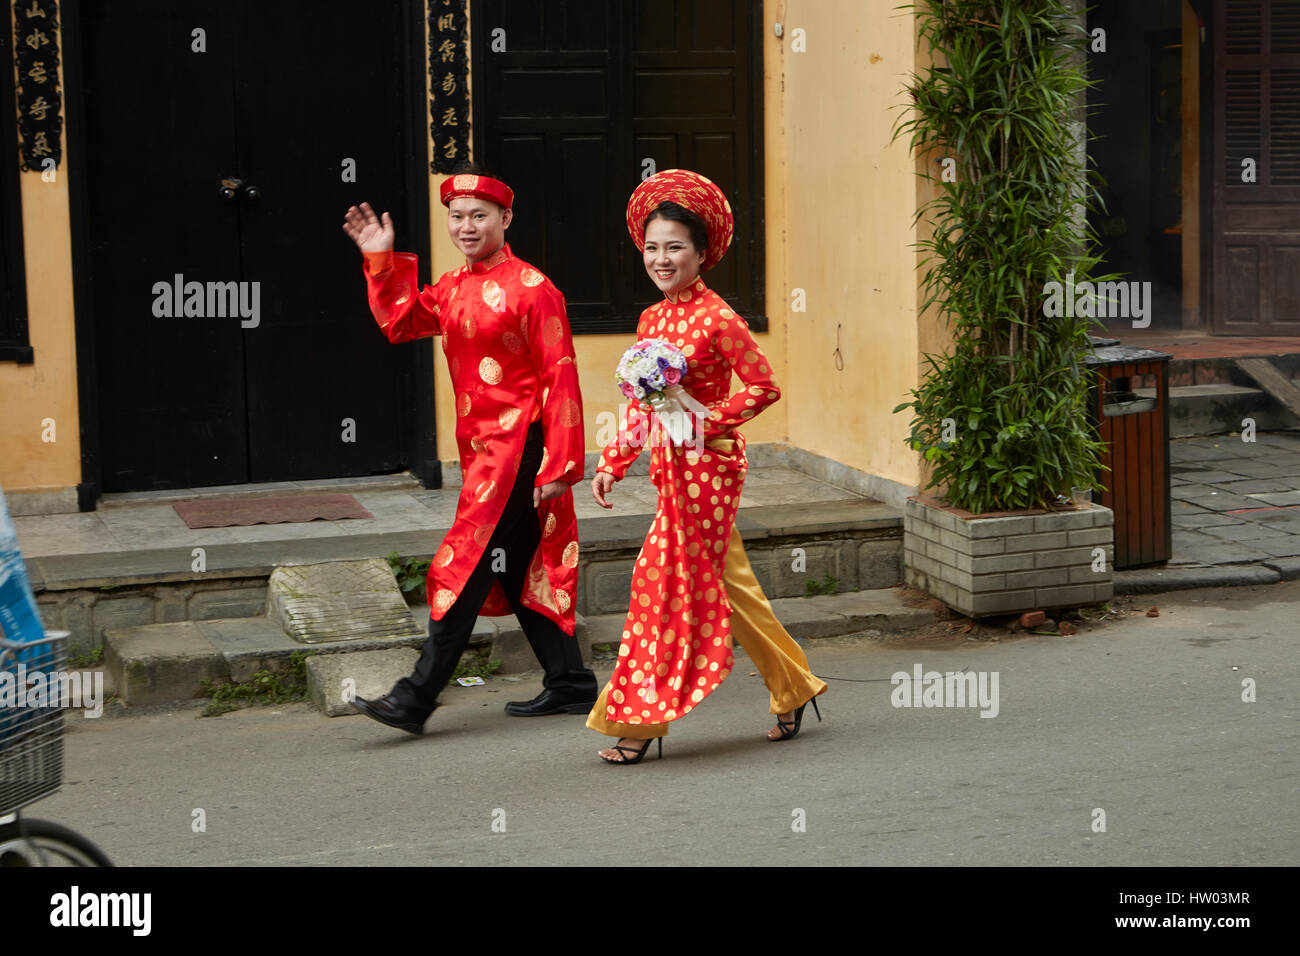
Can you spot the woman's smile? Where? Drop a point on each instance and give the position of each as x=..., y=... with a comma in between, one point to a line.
x=671, y=259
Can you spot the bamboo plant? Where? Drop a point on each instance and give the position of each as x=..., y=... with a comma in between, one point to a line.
x=1003, y=418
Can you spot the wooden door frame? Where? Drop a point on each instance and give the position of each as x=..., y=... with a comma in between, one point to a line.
x=417, y=404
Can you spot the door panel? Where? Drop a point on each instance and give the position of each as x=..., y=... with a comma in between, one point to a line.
x=1256, y=120
x=160, y=122
x=307, y=103
x=282, y=97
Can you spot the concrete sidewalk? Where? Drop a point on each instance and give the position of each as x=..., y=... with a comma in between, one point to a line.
x=1235, y=511
x=1235, y=514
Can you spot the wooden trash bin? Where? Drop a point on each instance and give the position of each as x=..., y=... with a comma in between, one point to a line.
x=1136, y=433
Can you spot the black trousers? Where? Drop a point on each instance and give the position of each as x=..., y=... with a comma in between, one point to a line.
x=518, y=534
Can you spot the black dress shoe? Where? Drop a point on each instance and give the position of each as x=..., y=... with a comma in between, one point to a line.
x=386, y=710
x=550, y=702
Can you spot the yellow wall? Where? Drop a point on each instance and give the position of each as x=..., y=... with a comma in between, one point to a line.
x=839, y=203
x=46, y=389
x=846, y=213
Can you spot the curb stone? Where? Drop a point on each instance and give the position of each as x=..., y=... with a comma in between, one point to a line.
x=1143, y=580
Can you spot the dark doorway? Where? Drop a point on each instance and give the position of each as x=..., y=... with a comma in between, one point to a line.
x=1135, y=142
x=286, y=97
x=574, y=100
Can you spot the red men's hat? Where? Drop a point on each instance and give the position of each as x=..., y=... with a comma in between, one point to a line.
x=479, y=187
x=692, y=191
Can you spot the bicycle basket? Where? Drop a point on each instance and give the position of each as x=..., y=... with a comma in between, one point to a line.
x=31, y=719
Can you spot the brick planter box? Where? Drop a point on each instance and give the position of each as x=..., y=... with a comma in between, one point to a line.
x=1007, y=562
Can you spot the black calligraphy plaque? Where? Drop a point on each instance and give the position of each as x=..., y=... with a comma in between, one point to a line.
x=36, y=50
x=448, y=84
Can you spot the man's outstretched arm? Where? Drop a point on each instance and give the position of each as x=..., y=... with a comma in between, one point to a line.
x=391, y=279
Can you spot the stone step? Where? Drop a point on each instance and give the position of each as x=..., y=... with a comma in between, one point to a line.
x=1217, y=409
x=858, y=542
x=162, y=663
x=338, y=601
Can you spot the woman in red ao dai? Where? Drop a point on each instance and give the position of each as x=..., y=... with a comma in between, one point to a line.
x=677, y=645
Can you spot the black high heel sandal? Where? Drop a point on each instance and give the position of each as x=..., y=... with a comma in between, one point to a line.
x=633, y=750
x=785, y=725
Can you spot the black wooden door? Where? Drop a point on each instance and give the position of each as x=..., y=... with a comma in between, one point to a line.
x=1257, y=206
x=310, y=106
x=573, y=97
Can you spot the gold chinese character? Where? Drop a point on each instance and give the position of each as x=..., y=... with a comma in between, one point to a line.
x=449, y=151
x=445, y=21
x=39, y=108
x=37, y=40
x=37, y=72
x=40, y=147
x=449, y=117
x=34, y=11
x=449, y=84
x=447, y=50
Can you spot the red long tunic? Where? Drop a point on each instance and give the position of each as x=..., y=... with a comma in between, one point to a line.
x=506, y=337
x=676, y=645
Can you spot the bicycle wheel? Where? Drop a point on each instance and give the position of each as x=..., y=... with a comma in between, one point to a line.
x=42, y=843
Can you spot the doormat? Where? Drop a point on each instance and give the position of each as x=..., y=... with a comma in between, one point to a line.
x=227, y=512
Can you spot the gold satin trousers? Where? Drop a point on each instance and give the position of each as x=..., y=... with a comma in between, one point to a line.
x=754, y=627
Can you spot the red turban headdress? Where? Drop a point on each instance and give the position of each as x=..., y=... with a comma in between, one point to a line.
x=480, y=187
x=692, y=191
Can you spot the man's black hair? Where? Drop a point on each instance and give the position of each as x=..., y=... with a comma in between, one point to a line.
x=474, y=169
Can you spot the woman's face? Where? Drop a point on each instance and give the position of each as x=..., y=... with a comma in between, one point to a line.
x=671, y=259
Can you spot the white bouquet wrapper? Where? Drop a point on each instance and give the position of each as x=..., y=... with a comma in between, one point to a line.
x=675, y=408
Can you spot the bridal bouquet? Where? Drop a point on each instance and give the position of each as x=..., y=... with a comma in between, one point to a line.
x=651, y=371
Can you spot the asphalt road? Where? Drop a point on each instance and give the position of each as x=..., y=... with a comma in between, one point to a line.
x=1142, y=719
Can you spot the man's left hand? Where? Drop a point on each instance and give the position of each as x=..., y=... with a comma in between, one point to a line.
x=552, y=489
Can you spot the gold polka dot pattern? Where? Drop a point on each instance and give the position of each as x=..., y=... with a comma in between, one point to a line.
x=493, y=296
x=503, y=331
x=570, y=413
x=677, y=645
x=552, y=331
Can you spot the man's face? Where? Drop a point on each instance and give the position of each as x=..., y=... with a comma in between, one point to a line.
x=477, y=226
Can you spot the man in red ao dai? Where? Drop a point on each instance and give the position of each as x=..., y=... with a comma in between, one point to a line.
x=513, y=546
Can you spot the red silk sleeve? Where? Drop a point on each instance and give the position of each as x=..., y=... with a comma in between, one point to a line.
x=747, y=361
x=619, y=454
x=391, y=283
x=551, y=346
